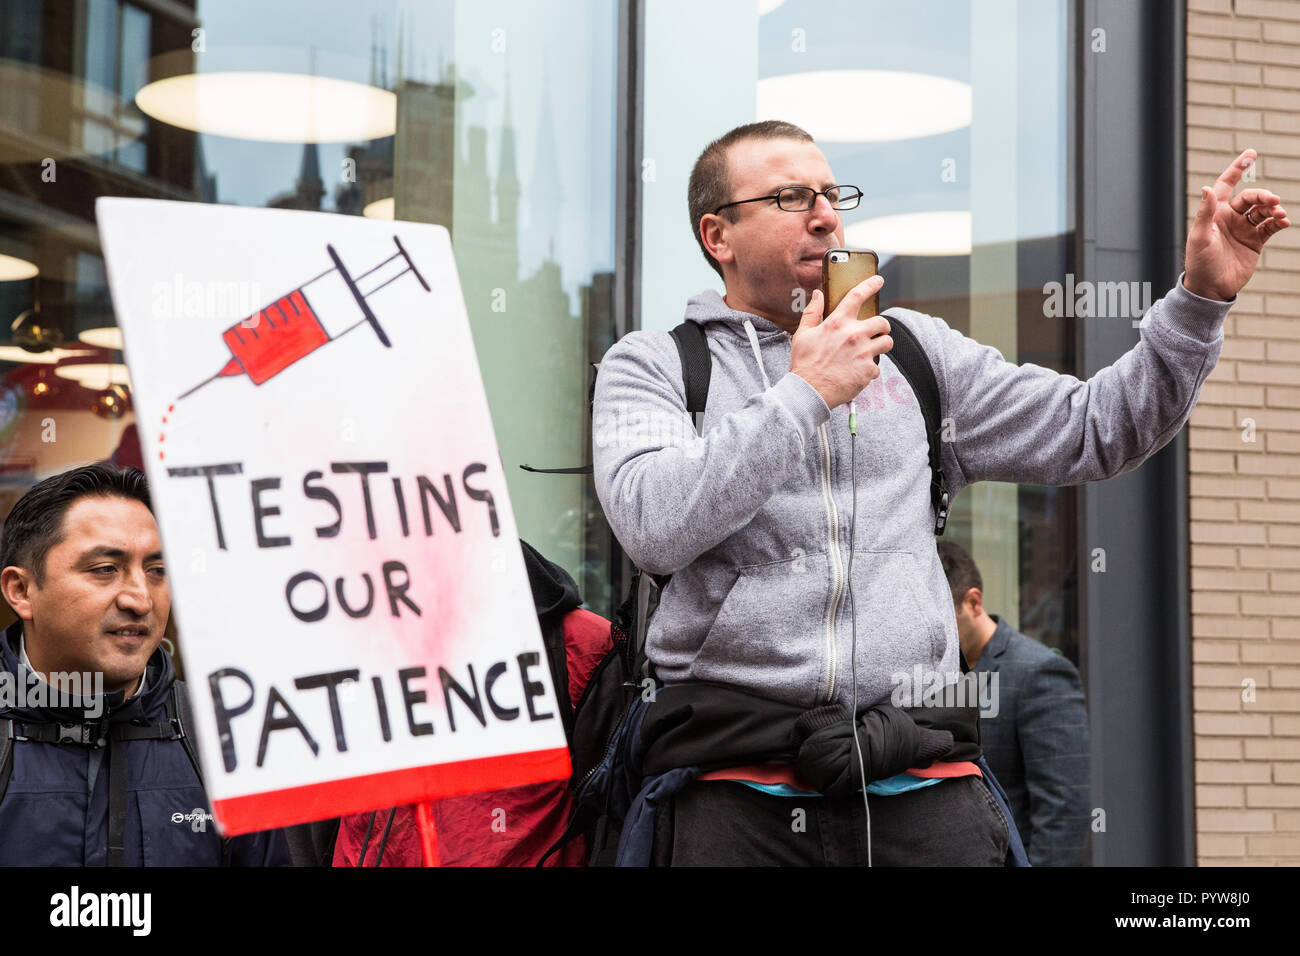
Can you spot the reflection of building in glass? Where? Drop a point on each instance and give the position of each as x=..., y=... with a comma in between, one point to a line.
x=309, y=189
x=533, y=341
x=424, y=169
x=70, y=132
x=367, y=176
x=71, y=97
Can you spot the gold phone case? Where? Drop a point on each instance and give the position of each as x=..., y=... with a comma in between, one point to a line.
x=838, y=278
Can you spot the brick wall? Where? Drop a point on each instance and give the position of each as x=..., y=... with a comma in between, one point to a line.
x=1243, y=90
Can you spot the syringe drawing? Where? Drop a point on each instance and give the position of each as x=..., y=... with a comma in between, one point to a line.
x=288, y=329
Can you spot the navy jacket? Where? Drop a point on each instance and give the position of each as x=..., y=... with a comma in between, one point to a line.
x=1037, y=745
x=51, y=815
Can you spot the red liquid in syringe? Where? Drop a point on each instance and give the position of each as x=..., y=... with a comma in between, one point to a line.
x=290, y=328
x=274, y=338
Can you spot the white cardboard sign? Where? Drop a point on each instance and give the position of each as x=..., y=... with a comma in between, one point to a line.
x=357, y=626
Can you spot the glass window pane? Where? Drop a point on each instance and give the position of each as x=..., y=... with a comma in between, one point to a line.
x=135, y=53
x=954, y=124
x=101, y=43
x=504, y=135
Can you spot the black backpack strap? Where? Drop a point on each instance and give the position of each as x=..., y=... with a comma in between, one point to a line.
x=912, y=361
x=552, y=626
x=116, y=803
x=574, y=469
x=6, y=753
x=697, y=368
x=181, y=717
x=117, y=772
x=638, y=664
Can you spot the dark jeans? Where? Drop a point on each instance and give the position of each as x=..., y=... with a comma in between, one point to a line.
x=721, y=823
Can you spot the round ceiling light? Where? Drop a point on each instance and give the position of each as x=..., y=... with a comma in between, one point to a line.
x=12, y=353
x=380, y=209
x=108, y=337
x=896, y=105
x=96, y=375
x=272, y=107
x=13, y=269
x=943, y=233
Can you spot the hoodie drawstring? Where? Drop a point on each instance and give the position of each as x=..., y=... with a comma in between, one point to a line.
x=753, y=344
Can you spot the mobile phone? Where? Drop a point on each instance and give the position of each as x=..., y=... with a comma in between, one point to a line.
x=842, y=269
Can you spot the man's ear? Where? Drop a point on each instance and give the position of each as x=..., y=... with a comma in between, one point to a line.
x=974, y=602
x=16, y=586
x=711, y=236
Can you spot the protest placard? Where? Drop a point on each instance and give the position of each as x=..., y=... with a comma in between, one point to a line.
x=355, y=619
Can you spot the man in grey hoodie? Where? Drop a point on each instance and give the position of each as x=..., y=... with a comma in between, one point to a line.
x=751, y=518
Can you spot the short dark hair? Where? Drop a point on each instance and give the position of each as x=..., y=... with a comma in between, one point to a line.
x=710, y=185
x=960, y=569
x=35, y=524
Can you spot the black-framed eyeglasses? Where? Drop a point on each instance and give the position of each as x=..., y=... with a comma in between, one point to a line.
x=803, y=198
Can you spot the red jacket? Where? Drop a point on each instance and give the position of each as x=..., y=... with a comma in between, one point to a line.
x=510, y=827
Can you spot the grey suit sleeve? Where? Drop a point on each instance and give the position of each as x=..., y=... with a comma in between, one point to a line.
x=1052, y=727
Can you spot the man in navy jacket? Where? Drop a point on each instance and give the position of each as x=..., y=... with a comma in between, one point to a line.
x=93, y=768
x=1037, y=742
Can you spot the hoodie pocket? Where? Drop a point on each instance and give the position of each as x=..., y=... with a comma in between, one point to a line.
x=769, y=635
x=898, y=625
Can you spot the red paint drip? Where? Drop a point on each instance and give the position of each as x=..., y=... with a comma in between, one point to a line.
x=170, y=408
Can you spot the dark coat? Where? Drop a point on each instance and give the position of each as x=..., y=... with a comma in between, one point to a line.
x=1037, y=745
x=51, y=815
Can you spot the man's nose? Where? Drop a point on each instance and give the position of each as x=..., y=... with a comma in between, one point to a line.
x=134, y=595
x=824, y=218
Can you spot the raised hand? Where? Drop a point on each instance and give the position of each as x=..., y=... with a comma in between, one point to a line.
x=1229, y=232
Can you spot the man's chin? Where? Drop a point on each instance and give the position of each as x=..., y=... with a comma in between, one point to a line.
x=809, y=275
x=122, y=670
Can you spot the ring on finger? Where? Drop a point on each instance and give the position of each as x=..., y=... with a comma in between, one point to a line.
x=1247, y=212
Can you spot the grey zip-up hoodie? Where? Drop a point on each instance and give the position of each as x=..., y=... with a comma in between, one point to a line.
x=752, y=519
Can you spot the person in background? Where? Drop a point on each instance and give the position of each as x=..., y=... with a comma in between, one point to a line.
x=1037, y=744
x=95, y=768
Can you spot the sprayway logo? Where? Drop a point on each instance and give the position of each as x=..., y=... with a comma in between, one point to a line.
x=198, y=819
x=102, y=909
